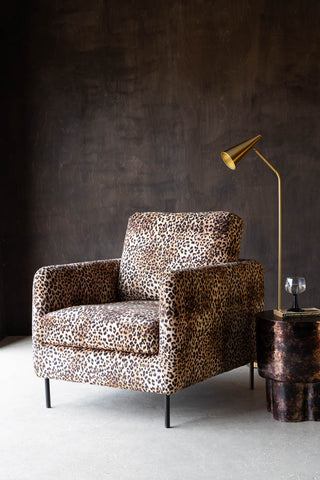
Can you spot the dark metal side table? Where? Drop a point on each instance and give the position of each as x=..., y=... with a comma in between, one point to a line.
x=288, y=353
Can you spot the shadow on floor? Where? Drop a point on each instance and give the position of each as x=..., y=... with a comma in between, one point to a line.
x=10, y=340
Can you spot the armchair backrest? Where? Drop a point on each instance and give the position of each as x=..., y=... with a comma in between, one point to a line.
x=156, y=243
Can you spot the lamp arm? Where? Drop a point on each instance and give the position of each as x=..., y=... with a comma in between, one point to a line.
x=279, y=224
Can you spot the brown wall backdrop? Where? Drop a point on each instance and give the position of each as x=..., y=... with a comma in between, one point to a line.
x=117, y=106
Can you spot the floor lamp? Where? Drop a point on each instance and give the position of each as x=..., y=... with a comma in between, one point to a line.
x=232, y=158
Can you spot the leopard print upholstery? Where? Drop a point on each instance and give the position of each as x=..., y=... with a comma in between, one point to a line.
x=157, y=243
x=205, y=321
x=131, y=326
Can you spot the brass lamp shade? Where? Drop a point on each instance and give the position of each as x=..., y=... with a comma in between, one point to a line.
x=231, y=158
x=233, y=155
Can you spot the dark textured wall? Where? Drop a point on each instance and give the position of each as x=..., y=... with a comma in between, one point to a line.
x=16, y=262
x=123, y=106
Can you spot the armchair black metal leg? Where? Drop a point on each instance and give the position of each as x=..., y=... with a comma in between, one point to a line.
x=167, y=411
x=252, y=375
x=47, y=390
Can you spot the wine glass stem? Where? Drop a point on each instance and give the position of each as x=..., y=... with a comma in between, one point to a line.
x=295, y=301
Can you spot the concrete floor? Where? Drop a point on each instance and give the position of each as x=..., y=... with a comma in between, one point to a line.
x=221, y=430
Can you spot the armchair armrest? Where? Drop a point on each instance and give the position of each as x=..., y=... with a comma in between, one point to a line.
x=61, y=286
x=207, y=319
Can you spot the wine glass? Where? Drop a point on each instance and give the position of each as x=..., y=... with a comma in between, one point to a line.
x=295, y=286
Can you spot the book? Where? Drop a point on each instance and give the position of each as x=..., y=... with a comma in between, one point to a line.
x=303, y=313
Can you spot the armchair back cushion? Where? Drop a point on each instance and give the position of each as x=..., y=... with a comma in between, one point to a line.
x=156, y=243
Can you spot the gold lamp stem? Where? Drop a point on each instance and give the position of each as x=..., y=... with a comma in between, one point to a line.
x=279, y=225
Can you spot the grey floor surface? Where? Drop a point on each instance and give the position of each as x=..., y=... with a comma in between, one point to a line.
x=221, y=430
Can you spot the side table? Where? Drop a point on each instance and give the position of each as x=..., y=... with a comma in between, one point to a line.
x=288, y=353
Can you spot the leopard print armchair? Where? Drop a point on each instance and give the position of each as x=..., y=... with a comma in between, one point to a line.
x=176, y=309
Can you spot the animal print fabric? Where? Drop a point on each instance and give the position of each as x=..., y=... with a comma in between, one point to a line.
x=62, y=286
x=157, y=243
x=206, y=325
x=131, y=326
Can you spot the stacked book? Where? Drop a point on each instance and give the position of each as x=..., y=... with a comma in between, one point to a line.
x=304, y=312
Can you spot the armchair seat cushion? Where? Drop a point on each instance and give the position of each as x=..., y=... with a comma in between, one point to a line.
x=131, y=326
